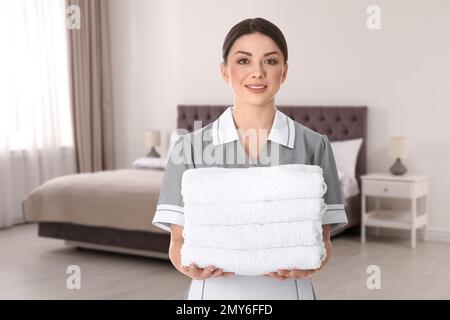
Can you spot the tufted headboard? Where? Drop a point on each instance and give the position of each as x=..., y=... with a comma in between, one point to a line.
x=337, y=122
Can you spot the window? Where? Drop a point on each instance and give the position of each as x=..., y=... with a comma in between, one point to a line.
x=34, y=75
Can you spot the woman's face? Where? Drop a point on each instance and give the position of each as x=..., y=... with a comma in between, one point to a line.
x=255, y=69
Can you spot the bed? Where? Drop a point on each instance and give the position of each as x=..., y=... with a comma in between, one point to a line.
x=113, y=210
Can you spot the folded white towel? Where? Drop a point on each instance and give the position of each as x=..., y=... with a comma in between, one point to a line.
x=254, y=220
x=254, y=262
x=255, y=212
x=234, y=185
x=255, y=236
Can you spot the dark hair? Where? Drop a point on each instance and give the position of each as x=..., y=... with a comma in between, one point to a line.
x=254, y=25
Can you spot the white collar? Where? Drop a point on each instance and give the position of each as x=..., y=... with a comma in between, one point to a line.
x=282, y=132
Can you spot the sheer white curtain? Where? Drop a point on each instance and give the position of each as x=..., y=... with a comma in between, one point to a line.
x=36, y=142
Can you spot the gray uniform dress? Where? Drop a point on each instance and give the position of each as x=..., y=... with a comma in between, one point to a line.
x=218, y=145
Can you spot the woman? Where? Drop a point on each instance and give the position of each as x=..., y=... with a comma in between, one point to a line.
x=254, y=65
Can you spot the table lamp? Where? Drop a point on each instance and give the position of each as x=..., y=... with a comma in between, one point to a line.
x=398, y=149
x=152, y=140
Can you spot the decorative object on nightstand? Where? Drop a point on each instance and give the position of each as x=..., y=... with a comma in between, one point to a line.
x=398, y=149
x=412, y=187
x=152, y=140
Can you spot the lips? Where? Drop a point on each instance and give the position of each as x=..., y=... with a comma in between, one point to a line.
x=257, y=88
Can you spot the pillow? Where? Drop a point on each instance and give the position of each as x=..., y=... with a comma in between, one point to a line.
x=346, y=154
x=150, y=163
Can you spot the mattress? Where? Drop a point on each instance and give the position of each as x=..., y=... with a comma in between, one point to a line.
x=124, y=199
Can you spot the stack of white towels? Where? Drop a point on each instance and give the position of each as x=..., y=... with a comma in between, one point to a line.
x=255, y=220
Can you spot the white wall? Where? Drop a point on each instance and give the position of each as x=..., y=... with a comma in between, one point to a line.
x=167, y=52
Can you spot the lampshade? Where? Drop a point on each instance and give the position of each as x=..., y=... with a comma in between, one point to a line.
x=398, y=147
x=152, y=138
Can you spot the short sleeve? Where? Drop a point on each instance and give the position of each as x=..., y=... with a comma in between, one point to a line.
x=335, y=213
x=169, y=209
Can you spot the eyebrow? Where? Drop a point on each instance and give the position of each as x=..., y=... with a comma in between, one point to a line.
x=249, y=54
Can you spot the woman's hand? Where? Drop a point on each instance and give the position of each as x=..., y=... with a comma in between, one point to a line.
x=302, y=274
x=192, y=271
x=197, y=273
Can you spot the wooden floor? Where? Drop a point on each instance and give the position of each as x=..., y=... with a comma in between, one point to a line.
x=35, y=268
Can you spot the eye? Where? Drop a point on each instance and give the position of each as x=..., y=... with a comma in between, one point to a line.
x=243, y=61
x=272, y=61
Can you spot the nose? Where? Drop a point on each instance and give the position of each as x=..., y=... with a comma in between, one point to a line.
x=259, y=71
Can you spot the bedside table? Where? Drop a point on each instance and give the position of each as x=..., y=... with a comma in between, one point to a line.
x=408, y=186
